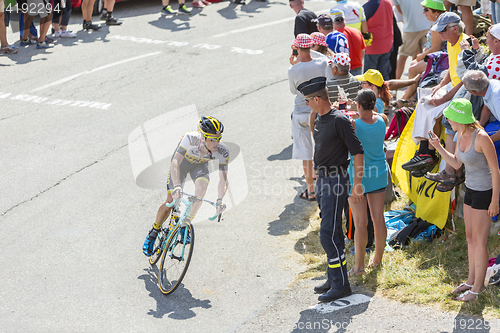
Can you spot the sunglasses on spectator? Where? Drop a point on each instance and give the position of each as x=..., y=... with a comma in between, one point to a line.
x=309, y=98
x=426, y=9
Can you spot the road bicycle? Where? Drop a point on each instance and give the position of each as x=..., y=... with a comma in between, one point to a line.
x=175, y=243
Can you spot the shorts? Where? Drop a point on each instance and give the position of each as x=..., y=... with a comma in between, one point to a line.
x=380, y=190
x=413, y=43
x=302, y=137
x=464, y=2
x=2, y=6
x=196, y=171
x=478, y=199
x=39, y=7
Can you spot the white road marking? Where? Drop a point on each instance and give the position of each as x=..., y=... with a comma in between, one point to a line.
x=265, y=25
x=46, y=100
x=72, y=77
x=341, y=303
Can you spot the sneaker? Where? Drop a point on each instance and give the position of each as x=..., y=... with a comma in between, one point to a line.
x=48, y=40
x=57, y=34
x=419, y=161
x=240, y=2
x=90, y=26
x=442, y=177
x=42, y=45
x=147, y=247
x=198, y=4
x=183, y=10
x=167, y=11
x=67, y=34
x=104, y=15
x=25, y=42
x=112, y=21
x=205, y=2
x=9, y=49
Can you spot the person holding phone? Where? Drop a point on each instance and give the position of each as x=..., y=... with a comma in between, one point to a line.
x=476, y=152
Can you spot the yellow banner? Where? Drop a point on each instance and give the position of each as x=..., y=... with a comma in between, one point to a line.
x=432, y=205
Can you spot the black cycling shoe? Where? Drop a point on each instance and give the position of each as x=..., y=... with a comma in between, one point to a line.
x=419, y=162
x=112, y=21
x=323, y=288
x=334, y=294
x=90, y=26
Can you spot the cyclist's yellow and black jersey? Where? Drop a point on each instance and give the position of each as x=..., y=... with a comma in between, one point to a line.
x=195, y=164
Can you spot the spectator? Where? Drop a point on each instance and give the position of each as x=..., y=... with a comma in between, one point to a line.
x=37, y=7
x=320, y=49
x=354, y=14
x=372, y=79
x=465, y=7
x=432, y=10
x=370, y=129
x=167, y=9
x=304, y=70
x=450, y=29
x=107, y=13
x=87, y=8
x=482, y=185
x=355, y=41
x=305, y=21
x=415, y=28
x=324, y=23
x=334, y=139
x=337, y=42
x=341, y=78
x=60, y=20
x=379, y=18
x=495, y=12
x=4, y=45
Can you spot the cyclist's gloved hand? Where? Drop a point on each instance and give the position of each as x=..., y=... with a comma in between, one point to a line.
x=177, y=193
x=220, y=206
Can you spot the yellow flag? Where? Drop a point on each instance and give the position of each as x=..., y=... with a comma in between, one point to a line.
x=432, y=205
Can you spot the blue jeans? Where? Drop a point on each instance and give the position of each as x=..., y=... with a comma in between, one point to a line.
x=495, y=12
x=357, y=71
x=380, y=62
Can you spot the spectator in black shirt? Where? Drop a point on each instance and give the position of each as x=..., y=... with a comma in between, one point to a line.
x=334, y=139
x=305, y=21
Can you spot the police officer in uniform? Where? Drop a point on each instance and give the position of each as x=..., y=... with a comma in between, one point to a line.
x=334, y=139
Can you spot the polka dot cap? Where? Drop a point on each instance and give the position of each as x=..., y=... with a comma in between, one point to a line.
x=341, y=59
x=493, y=66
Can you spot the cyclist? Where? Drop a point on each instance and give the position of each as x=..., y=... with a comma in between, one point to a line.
x=192, y=155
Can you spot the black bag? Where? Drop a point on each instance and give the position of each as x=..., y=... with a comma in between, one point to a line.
x=402, y=237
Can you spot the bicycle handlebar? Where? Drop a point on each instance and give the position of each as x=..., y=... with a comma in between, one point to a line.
x=192, y=199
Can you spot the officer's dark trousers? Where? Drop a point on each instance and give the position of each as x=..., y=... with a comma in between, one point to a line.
x=331, y=195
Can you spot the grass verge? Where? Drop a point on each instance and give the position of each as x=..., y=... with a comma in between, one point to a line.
x=422, y=273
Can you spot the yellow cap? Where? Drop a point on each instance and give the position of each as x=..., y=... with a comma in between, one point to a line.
x=373, y=76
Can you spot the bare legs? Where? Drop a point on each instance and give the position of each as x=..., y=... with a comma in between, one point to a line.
x=360, y=216
x=308, y=175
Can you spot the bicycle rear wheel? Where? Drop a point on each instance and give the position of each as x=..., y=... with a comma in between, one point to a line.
x=176, y=258
x=158, y=247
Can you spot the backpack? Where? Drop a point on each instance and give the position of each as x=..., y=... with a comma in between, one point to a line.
x=398, y=122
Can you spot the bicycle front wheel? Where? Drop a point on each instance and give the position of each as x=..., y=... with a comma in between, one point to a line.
x=158, y=247
x=176, y=258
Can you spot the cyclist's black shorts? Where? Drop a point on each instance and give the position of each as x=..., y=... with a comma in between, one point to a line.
x=196, y=171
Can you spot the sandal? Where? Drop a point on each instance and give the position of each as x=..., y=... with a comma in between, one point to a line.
x=307, y=196
x=464, y=284
x=375, y=266
x=352, y=272
x=442, y=177
x=446, y=187
x=461, y=297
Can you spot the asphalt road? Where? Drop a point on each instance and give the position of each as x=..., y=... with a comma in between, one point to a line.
x=86, y=130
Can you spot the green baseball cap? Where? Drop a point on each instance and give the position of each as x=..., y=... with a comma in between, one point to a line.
x=434, y=4
x=460, y=111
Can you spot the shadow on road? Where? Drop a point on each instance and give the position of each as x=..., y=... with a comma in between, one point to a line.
x=285, y=154
x=178, y=305
x=468, y=323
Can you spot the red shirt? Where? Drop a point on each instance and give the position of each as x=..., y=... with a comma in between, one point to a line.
x=356, y=45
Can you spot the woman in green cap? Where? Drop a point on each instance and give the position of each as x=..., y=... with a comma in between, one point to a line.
x=476, y=152
x=432, y=10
